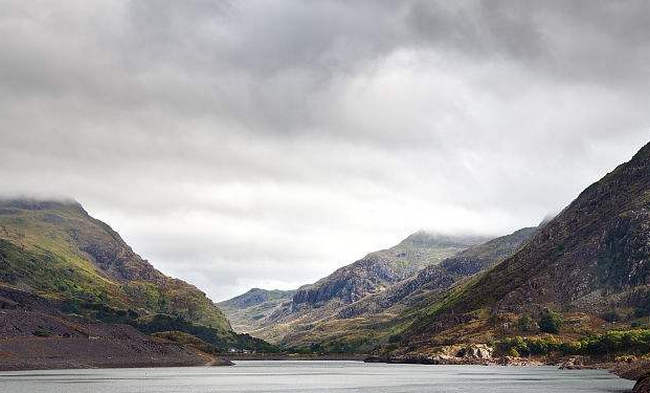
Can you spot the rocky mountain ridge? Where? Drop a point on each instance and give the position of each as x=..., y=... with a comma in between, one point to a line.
x=375, y=284
x=380, y=269
x=593, y=259
x=246, y=311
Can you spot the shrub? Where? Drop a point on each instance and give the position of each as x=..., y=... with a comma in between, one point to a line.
x=517, y=345
x=538, y=346
x=512, y=352
x=571, y=348
x=525, y=323
x=550, y=322
x=617, y=341
x=41, y=332
x=609, y=343
x=394, y=338
x=612, y=316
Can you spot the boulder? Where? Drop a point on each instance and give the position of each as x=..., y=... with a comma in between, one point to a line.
x=573, y=363
x=476, y=351
x=642, y=385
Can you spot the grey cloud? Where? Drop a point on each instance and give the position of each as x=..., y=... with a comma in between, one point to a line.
x=255, y=137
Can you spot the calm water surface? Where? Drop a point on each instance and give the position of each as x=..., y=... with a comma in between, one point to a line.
x=314, y=376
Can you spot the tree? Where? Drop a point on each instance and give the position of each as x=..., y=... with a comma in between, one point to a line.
x=550, y=322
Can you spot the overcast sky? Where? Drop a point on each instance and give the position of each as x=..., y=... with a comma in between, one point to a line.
x=266, y=143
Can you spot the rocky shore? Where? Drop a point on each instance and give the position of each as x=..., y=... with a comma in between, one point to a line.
x=637, y=371
x=628, y=367
x=296, y=356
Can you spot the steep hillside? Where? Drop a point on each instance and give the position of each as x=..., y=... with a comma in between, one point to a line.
x=440, y=277
x=380, y=317
x=247, y=311
x=379, y=270
x=592, y=259
x=372, y=274
x=57, y=261
x=57, y=250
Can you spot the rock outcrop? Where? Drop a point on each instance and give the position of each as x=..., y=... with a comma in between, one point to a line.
x=273, y=316
x=381, y=269
x=440, y=277
x=642, y=384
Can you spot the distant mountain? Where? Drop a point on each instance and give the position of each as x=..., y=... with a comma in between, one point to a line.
x=592, y=258
x=371, y=274
x=440, y=277
x=250, y=310
x=58, y=264
x=374, y=319
x=380, y=269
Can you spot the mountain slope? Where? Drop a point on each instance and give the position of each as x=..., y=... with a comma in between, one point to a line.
x=55, y=249
x=439, y=277
x=380, y=269
x=379, y=318
x=247, y=311
x=369, y=275
x=593, y=257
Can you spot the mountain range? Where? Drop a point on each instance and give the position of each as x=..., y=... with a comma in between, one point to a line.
x=357, y=297
x=591, y=262
x=74, y=294
x=584, y=270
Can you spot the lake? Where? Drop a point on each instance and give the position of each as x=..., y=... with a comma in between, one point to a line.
x=315, y=376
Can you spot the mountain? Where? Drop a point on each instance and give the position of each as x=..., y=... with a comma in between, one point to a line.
x=246, y=312
x=67, y=269
x=440, y=277
x=369, y=275
x=56, y=249
x=590, y=263
x=378, y=318
x=380, y=269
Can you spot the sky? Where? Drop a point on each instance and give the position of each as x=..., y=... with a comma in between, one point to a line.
x=264, y=144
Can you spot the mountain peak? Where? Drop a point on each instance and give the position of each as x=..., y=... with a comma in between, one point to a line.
x=424, y=238
x=76, y=256
x=594, y=255
x=40, y=204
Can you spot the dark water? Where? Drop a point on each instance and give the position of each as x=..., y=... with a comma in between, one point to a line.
x=315, y=376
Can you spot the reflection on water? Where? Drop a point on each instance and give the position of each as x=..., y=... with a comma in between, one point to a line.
x=315, y=376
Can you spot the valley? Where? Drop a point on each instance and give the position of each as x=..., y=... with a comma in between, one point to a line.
x=573, y=290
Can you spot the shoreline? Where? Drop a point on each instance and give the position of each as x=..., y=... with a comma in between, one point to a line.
x=294, y=356
x=639, y=371
x=635, y=370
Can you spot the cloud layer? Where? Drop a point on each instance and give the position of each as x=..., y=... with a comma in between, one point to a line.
x=265, y=143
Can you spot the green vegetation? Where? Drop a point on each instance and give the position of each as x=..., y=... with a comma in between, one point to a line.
x=42, y=332
x=56, y=250
x=80, y=266
x=614, y=342
x=223, y=341
x=158, y=323
x=525, y=323
x=550, y=322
